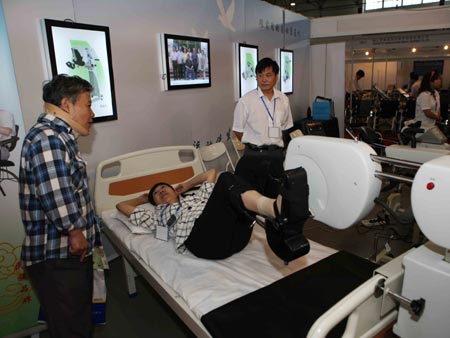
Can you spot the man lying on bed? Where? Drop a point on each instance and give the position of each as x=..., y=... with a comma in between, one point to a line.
x=216, y=221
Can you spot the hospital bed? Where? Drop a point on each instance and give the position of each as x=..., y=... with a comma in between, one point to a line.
x=354, y=172
x=183, y=281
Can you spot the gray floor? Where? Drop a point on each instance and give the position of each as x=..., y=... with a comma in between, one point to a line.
x=146, y=315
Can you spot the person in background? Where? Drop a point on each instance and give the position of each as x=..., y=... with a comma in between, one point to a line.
x=56, y=209
x=260, y=118
x=355, y=86
x=428, y=110
x=7, y=130
x=180, y=64
x=194, y=58
x=189, y=66
x=413, y=77
x=201, y=63
x=173, y=58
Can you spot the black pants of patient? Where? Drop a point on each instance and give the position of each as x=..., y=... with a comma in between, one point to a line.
x=221, y=230
x=263, y=170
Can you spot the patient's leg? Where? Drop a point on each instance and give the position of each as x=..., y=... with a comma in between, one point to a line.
x=287, y=215
x=260, y=204
x=222, y=229
x=288, y=210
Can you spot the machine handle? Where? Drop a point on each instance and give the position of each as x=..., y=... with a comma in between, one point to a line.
x=416, y=306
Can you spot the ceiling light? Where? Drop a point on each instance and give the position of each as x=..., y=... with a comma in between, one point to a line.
x=445, y=47
x=292, y=4
x=367, y=53
x=414, y=50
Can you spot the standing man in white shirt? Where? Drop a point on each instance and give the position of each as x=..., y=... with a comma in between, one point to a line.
x=260, y=118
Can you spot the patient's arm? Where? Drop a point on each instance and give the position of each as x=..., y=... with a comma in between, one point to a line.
x=127, y=207
x=207, y=176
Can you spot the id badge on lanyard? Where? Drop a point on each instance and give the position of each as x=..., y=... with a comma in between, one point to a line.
x=273, y=132
x=162, y=231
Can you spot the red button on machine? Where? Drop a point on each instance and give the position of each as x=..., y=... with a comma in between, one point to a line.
x=430, y=186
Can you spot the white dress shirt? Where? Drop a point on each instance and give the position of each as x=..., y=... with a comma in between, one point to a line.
x=253, y=118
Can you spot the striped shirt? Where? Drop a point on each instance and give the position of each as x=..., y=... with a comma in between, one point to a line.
x=53, y=192
x=186, y=213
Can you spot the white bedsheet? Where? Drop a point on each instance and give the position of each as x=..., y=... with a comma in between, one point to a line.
x=204, y=284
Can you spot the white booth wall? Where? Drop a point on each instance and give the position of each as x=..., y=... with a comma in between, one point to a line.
x=326, y=50
x=18, y=305
x=148, y=116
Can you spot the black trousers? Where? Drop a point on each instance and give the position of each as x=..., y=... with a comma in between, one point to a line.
x=263, y=170
x=222, y=229
x=64, y=288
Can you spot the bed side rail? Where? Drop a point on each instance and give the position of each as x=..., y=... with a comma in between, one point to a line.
x=128, y=175
x=368, y=313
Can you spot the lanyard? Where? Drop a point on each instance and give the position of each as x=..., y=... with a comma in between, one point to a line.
x=172, y=219
x=267, y=108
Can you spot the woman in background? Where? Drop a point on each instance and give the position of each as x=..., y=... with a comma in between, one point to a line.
x=428, y=109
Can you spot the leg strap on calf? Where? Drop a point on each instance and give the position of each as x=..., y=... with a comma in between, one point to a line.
x=285, y=232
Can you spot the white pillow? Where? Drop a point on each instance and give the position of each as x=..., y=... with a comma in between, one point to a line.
x=134, y=228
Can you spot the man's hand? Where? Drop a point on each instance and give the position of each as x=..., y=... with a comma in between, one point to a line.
x=181, y=188
x=78, y=244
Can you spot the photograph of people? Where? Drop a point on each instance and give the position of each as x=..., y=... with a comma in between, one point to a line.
x=187, y=62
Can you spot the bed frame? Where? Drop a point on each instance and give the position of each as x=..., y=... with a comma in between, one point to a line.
x=134, y=266
x=130, y=175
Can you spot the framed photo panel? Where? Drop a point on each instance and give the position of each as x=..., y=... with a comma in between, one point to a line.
x=248, y=58
x=286, y=71
x=84, y=50
x=187, y=62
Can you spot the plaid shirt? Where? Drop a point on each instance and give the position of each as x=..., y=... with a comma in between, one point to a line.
x=53, y=192
x=186, y=212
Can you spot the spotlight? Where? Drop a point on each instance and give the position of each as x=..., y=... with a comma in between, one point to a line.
x=367, y=53
x=292, y=4
x=446, y=47
x=414, y=50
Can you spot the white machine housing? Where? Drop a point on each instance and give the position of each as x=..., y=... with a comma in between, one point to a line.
x=343, y=186
x=427, y=276
x=427, y=273
x=430, y=200
x=341, y=177
x=421, y=154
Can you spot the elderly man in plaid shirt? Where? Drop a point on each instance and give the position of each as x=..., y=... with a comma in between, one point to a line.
x=56, y=210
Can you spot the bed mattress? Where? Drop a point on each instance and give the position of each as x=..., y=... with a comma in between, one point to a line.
x=205, y=285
